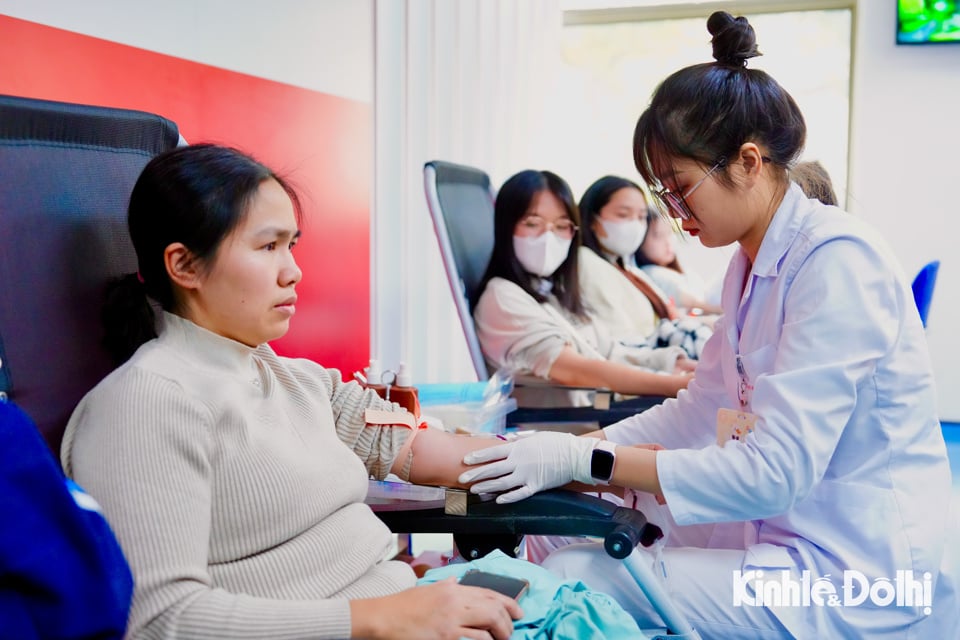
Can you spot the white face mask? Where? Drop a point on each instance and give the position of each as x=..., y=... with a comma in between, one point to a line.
x=623, y=236
x=543, y=254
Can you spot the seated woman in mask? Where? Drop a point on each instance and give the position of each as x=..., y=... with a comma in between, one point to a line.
x=616, y=225
x=530, y=314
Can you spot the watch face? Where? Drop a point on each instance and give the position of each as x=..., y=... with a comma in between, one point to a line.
x=601, y=464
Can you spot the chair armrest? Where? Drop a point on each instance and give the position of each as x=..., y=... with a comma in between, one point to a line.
x=604, y=410
x=533, y=415
x=554, y=512
x=601, y=399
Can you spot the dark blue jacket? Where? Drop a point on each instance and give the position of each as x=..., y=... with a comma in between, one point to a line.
x=62, y=573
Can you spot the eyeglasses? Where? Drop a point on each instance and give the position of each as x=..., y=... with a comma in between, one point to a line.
x=536, y=226
x=676, y=203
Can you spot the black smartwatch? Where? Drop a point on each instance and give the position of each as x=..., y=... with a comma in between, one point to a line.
x=602, y=460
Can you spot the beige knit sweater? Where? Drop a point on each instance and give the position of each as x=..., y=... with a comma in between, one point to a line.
x=234, y=480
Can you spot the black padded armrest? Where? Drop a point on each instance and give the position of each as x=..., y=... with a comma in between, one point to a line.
x=554, y=512
x=603, y=417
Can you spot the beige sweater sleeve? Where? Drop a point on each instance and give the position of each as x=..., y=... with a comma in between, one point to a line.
x=376, y=446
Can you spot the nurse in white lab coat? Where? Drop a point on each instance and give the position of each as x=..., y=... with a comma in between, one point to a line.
x=817, y=507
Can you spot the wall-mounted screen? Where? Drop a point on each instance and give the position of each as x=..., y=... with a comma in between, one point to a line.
x=928, y=21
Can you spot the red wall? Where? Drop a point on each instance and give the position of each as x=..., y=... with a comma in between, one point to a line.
x=323, y=143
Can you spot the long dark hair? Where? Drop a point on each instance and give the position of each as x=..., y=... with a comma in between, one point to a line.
x=196, y=195
x=513, y=202
x=596, y=198
x=705, y=112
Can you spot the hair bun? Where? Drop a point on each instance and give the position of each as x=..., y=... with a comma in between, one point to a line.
x=734, y=40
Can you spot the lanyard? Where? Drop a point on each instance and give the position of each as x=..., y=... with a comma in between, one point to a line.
x=744, y=388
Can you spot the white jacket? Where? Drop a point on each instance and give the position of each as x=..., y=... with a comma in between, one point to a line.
x=614, y=300
x=847, y=468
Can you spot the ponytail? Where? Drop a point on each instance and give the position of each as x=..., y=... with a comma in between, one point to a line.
x=127, y=316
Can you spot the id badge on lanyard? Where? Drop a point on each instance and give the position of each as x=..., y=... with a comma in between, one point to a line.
x=734, y=425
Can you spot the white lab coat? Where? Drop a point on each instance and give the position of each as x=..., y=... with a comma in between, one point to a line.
x=847, y=468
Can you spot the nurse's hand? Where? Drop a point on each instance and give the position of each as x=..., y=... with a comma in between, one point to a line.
x=530, y=464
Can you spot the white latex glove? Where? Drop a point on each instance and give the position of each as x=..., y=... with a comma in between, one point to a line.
x=530, y=464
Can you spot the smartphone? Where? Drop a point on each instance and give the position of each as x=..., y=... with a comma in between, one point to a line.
x=510, y=587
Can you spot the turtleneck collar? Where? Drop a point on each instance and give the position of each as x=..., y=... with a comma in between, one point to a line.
x=209, y=347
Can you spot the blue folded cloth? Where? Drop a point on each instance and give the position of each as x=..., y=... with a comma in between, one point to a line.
x=552, y=607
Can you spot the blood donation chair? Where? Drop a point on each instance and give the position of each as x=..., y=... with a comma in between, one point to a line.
x=66, y=173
